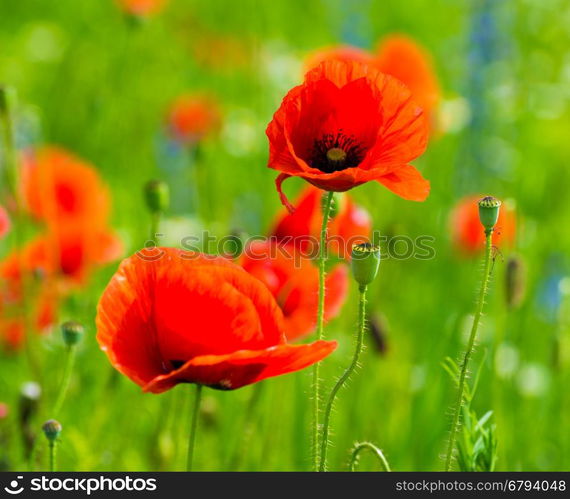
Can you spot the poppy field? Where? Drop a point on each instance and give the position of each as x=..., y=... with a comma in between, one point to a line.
x=284, y=236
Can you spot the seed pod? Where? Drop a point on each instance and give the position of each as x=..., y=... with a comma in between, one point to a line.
x=365, y=261
x=489, y=212
x=157, y=196
x=72, y=332
x=52, y=429
x=515, y=281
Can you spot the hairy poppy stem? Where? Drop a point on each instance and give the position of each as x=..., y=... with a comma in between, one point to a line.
x=193, y=427
x=359, y=447
x=69, y=361
x=463, y=373
x=345, y=375
x=320, y=326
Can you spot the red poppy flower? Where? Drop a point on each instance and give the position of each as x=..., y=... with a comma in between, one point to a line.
x=69, y=251
x=142, y=8
x=60, y=188
x=295, y=285
x=188, y=318
x=41, y=306
x=352, y=224
x=402, y=58
x=4, y=222
x=348, y=124
x=468, y=233
x=345, y=53
x=193, y=117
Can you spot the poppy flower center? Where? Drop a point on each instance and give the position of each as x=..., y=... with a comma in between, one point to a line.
x=336, y=152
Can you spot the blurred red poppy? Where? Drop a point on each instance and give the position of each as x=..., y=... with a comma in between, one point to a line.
x=348, y=124
x=294, y=282
x=188, y=318
x=468, y=233
x=401, y=57
x=68, y=251
x=41, y=309
x=352, y=224
x=192, y=118
x=142, y=8
x=4, y=222
x=61, y=188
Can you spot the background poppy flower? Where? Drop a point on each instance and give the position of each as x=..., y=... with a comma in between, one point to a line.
x=191, y=118
x=142, y=8
x=348, y=124
x=189, y=318
x=468, y=233
x=404, y=59
x=295, y=285
x=60, y=188
x=351, y=225
x=4, y=222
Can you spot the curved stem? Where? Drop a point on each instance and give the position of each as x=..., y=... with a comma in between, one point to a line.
x=52, y=456
x=345, y=375
x=469, y=351
x=320, y=328
x=193, y=427
x=65, y=381
x=358, y=448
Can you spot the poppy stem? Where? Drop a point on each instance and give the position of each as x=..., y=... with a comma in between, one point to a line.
x=193, y=427
x=154, y=225
x=469, y=351
x=320, y=326
x=52, y=456
x=69, y=361
x=344, y=377
x=359, y=447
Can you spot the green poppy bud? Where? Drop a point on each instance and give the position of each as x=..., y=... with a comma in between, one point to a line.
x=157, y=195
x=489, y=212
x=365, y=261
x=72, y=332
x=52, y=429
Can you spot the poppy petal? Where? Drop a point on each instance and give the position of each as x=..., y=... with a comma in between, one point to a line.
x=244, y=367
x=407, y=182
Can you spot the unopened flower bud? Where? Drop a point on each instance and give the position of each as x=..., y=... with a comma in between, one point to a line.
x=52, y=429
x=489, y=212
x=515, y=281
x=365, y=261
x=72, y=332
x=157, y=195
x=30, y=394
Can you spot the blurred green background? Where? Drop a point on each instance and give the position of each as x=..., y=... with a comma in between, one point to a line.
x=99, y=84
